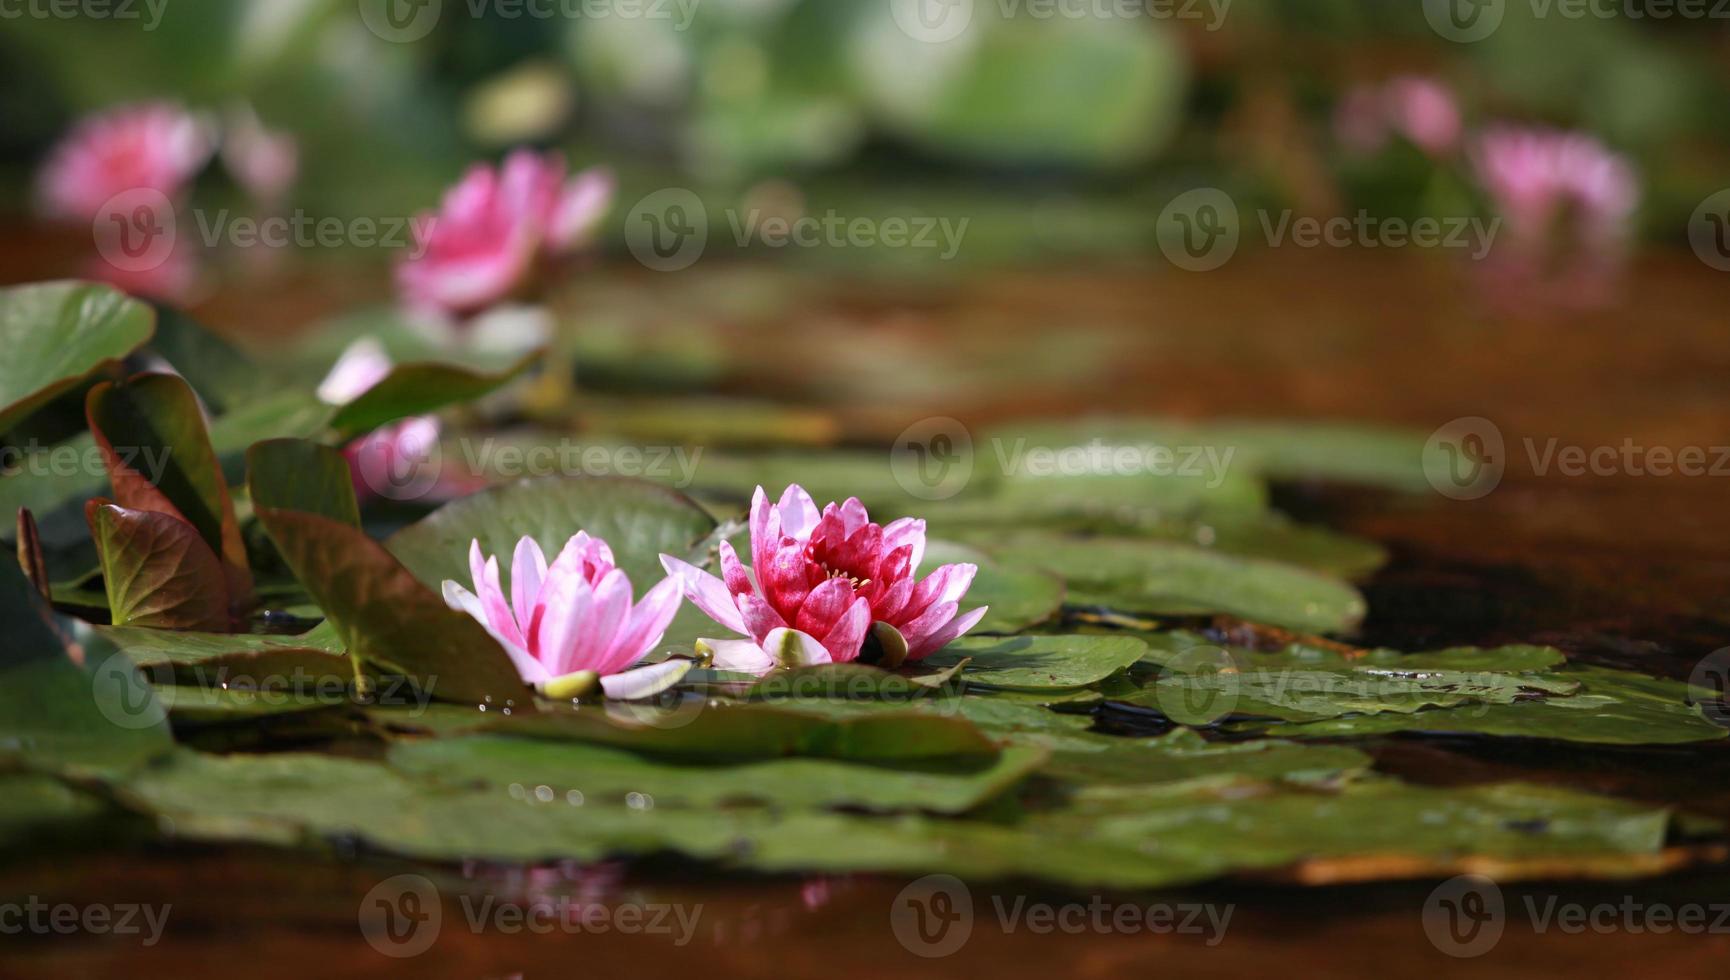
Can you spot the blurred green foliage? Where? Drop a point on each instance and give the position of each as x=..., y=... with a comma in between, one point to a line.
x=727, y=92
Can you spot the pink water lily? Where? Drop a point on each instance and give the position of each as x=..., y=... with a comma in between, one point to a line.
x=399, y=459
x=1540, y=178
x=823, y=585
x=575, y=615
x=151, y=147
x=495, y=227
x=1422, y=110
x=1567, y=203
x=264, y=161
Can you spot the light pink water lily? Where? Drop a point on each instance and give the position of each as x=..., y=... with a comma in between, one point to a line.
x=575, y=615
x=1541, y=178
x=823, y=585
x=1567, y=205
x=263, y=161
x=399, y=460
x=1422, y=110
x=155, y=146
x=495, y=227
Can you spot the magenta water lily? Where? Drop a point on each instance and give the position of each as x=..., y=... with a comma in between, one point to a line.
x=827, y=587
x=495, y=227
x=572, y=619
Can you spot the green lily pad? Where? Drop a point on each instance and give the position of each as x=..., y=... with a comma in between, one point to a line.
x=1245, y=825
x=1165, y=648
x=605, y=774
x=419, y=388
x=717, y=729
x=293, y=474
x=57, y=334
x=223, y=376
x=1041, y=662
x=639, y=521
x=58, y=714
x=1315, y=693
x=1164, y=578
x=1612, y=707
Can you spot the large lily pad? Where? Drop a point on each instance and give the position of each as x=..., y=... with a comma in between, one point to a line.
x=421, y=387
x=61, y=715
x=639, y=521
x=57, y=334
x=1041, y=662
x=602, y=774
x=1612, y=707
x=1163, y=577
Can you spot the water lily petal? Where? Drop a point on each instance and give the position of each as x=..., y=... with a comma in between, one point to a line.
x=908, y=532
x=566, y=601
x=492, y=595
x=706, y=592
x=645, y=682
x=945, y=635
x=760, y=617
x=799, y=514
x=791, y=648
x=646, y=625
x=528, y=570
x=464, y=601
x=823, y=608
x=845, y=640
x=607, y=612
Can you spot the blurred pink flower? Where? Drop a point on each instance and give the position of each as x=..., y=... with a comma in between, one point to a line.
x=1422, y=110
x=494, y=227
x=574, y=615
x=821, y=581
x=362, y=364
x=1566, y=202
x=154, y=146
x=399, y=460
x=263, y=161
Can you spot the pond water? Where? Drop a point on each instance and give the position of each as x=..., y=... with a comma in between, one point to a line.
x=1626, y=570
